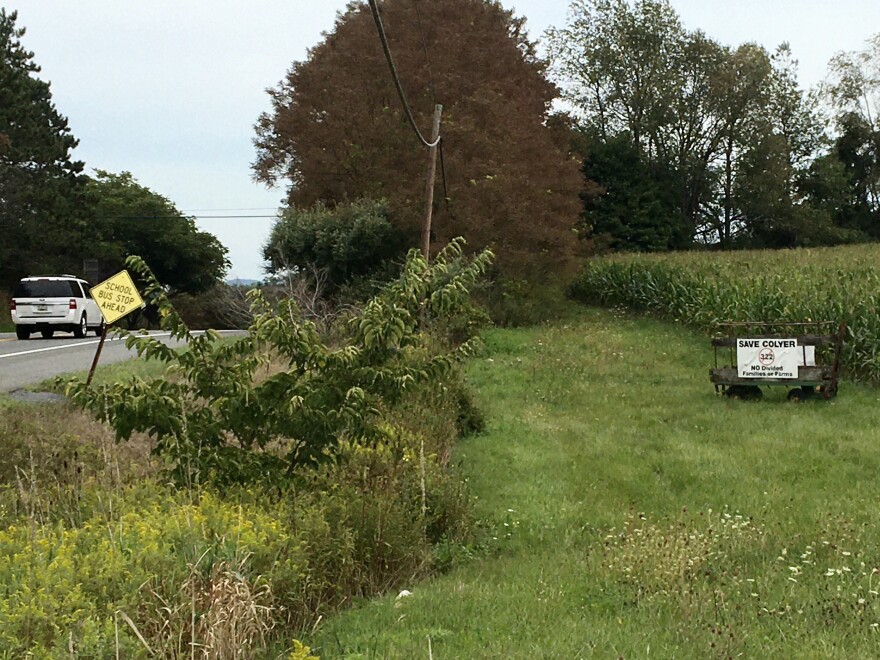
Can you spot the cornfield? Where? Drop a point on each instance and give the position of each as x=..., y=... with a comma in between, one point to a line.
x=703, y=289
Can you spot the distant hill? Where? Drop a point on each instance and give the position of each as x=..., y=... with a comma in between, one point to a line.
x=240, y=282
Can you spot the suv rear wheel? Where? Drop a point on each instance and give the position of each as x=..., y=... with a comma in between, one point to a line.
x=80, y=331
x=22, y=332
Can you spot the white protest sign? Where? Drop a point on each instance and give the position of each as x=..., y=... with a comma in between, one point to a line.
x=768, y=358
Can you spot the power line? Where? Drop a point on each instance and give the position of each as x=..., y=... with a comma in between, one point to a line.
x=425, y=50
x=220, y=217
x=388, y=58
x=182, y=217
x=443, y=176
x=254, y=208
x=433, y=94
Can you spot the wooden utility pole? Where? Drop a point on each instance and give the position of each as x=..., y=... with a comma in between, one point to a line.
x=429, y=186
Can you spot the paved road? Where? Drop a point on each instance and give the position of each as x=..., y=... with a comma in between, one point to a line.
x=24, y=363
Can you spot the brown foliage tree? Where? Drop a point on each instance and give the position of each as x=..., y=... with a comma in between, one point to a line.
x=337, y=131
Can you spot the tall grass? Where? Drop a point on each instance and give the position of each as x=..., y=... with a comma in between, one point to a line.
x=99, y=556
x=702, y=289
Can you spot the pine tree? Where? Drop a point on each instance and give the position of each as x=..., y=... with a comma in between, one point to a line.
x=40, y=215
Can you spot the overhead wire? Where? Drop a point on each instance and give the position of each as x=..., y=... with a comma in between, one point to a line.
x=396, y=78
x=443, y=177
x=433, y=87
x=249, y=208
x=183, y=216
x=425, y=50
x=380, y=28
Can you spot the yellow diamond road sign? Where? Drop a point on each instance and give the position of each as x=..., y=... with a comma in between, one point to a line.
x=117, y=297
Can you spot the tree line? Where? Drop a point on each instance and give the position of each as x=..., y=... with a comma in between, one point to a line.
x=693, y=142
x=54, y=217
x=634, y=134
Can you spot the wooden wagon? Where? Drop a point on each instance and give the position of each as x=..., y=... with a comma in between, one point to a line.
x=817, y=351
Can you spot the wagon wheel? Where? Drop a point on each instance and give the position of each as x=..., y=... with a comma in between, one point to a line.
x=744, y=392
x=799, y=394
x=829, y=391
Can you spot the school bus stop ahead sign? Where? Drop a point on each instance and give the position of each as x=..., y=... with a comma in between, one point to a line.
x=117, y=297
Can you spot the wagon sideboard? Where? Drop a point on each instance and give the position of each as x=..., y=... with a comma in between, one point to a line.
x=808, y=372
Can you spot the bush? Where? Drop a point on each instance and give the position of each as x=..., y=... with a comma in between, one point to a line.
x=5, y=317
x=208, y=309
x=519, y=302
x=52, y=458
x=132, y=566
x=347, y=240
x=215, y=420
x=153, y=559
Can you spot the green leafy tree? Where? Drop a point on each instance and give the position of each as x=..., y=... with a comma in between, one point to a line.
x=336, y=131
x=345, y=241
x=132, y=219
x=717, y=117
x=616, y=63
x=857, y=149
x=634, y=70
x=828, y=189
x=41, y=222
x=636, y=207
x=743, y=88
x=855, y=91
x=781, y=201
x=763, y=188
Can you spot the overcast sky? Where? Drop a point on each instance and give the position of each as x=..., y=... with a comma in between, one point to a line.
x=170, y=89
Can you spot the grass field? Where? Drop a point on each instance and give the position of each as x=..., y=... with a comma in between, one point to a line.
x=637, y=514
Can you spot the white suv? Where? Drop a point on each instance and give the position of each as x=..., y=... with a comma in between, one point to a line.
x=48, y=304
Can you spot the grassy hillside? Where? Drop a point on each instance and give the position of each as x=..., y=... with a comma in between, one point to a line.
x=637, y=514
x=702, y=289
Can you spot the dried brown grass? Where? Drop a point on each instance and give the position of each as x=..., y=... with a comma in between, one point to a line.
x=53, y=453
x=217, y=615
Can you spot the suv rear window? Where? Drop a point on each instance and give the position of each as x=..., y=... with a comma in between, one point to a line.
x=46, y=289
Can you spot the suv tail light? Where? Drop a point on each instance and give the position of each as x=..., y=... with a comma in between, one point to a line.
x=12, y=305
x=72, y=303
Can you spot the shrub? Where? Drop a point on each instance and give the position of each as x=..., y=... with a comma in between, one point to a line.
x=53, y=455
x=215, y=420
x=164, y=569
x=5, y=317
x=153, y=561
x=519, y=302
x=346, y=240
x=209, y=309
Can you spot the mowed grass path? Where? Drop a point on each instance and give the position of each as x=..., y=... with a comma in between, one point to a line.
x=637, y=514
